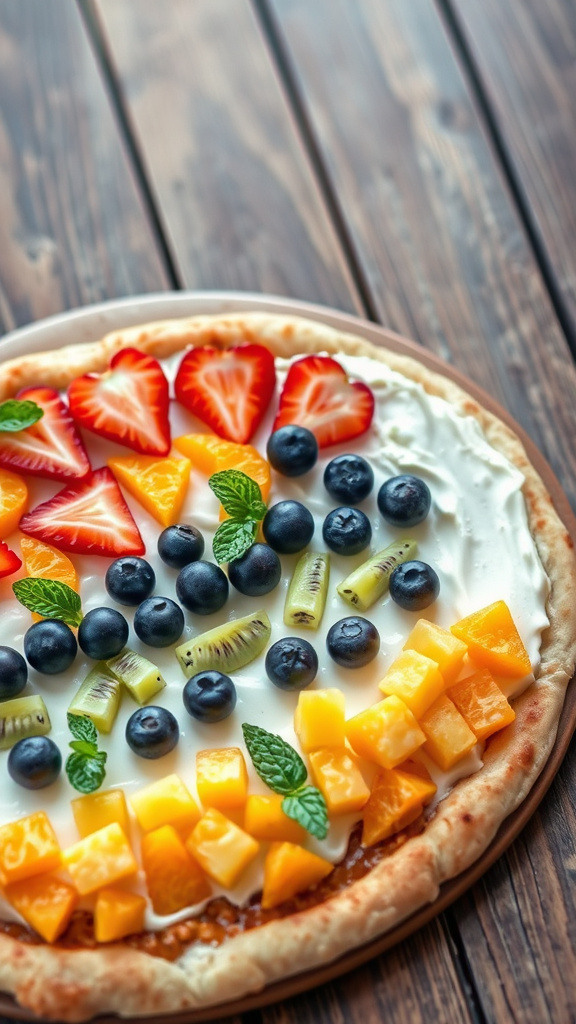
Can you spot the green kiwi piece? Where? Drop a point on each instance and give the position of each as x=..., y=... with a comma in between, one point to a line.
x=226, y=648
x=21, y=718
x=98, y=697
x=371, y=580
x=306, y=597
x=141, y=677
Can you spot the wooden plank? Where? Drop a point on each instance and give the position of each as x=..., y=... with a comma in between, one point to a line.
x=73, y=228
x=240, y=205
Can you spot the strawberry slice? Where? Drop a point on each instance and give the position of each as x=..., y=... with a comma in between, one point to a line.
x=229, y=390
x=92, y=518
x=9, y=561
x=129, y=403
x=318, y=395
x=52, y=447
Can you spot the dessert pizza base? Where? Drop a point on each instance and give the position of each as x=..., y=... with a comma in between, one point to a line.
x=75, y=985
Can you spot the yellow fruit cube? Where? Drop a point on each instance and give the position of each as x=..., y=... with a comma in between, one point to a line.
x=45, y=902
x=222, y=848
x=221, y=778
x=289, y=869
x=448, y=737
x=118, y=913
x=159, y=484
x=100, y=859
x=28, y=847
x=482, y=704
x=386, y=733
x=493, y=640
x=264, y=819
x=397, y=798
x=416, y=679
x=336, y=774
x=319, y=719
x=440, y=646
x=165, y=802
x=173, y=877
x=96, y=810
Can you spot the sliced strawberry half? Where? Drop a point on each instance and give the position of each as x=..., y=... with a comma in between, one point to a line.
x=92, y=518
x=128, y=403
x=229, y=390
x=52, y=447
x=9, y=561
x=318, y=395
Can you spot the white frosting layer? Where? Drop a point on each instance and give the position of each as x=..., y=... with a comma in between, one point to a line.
x=476, y=537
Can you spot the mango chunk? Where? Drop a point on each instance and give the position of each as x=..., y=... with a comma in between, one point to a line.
x=221, y=778
x=386, y=733
x=165, y=802
x=397, y=798
x=118, y=913
x=336, y=774
x=45, y=902
x=173, y=877
x=28, y=847
x=222, y=848
x=319, y=719
x=96, y=810
x=414, y=678
x=159, y=484
x=448, y=737
x=211, y=454
x=482, y=704
x=440, y=646
x=493, y=640
x=265, y=820
x=100, y=859
x=289, y=869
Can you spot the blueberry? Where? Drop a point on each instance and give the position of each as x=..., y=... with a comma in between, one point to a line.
x=202, y=587
x=13, y=673
x=152, y=732
x=288, y=527
x=404, y=500
x=103, y=633
x=35, y=762
x=130, y=580
x=292, y=450
x=256, y=572
x=159, y=622
x=353, y=642
x=209, y=696
x=347, y=530
x=179, y=545
x=291, y=663
x=414, y=585
x=349, y=479
x=50, y=646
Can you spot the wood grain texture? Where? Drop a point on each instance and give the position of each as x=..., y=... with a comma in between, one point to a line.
x=240, y=205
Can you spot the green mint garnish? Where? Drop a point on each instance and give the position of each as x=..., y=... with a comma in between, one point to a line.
x=232, y=538
x=308, y=808
x=85, y=767
x=15, y=415
x=49, y=598
x=83, y=729
x=242, y=500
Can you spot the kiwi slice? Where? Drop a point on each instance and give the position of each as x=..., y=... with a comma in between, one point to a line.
x=98, y=697
x=371, y=579
x=227, y=647
x=306, y=597
x=141, y=677
x=21, y=718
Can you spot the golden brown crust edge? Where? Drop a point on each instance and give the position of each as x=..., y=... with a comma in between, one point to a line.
x=76, y=985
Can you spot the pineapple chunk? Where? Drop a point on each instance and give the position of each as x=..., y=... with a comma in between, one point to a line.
x=100, y=859
x=28, y=847
x=173, y=877
x=221, y=778
x=118, y=913
x=319, y=719
x=336, y=773
x=45, y=902
x=165, y=802
x=396, y=799
x=264, y=819
x=415, y=679
x=440, y=646
x=448, y=737
x=386, y=733
x=493, y=640
x=482, y=704
x=96, y=810
x=289, y=869
x=222, y=848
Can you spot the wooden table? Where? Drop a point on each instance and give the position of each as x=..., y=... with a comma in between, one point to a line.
x=410, y=161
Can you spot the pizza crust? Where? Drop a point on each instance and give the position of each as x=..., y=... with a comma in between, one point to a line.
x=76, y=985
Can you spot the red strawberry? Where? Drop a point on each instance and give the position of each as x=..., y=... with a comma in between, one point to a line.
x=92, y=518
x=230, y=390
x=318, y=395
x=9, y=561
x=129, y=403
x=51, y=447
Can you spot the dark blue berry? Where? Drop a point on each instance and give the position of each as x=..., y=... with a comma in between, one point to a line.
x=353, y=642
x=130, y=580
x=349, y=479
x=257, y=572
x=414, y=585
x=209, y=696
x=404, y=500
x=13, y=673
x=291, y=663
x=103, y=633
x=152, y=732
x=159, y=622
x=288, y=527
x=50, y=646
x=202, y=587
x=34, y=762
x=292, y=450
x=347, y=530
x=179, y=545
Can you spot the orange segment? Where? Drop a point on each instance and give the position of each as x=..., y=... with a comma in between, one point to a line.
x=159, y=485
x=211, y=454
x=43, y=561
x=13, y=501
x=202, y=450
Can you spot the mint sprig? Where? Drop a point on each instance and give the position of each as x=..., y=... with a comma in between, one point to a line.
x=85, y=767
x=16, y=415
x=282, y=769
x=50, y=598
x=232, y=538
x=242, y=500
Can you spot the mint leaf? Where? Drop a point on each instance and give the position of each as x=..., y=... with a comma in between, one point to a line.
x=83, y=728
x=308, y=808
x=86, y=774
x=239, y=494
x=277, y=763
x=81, y=747
x=232, y=538
x=16, y=415
x=50, y=598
